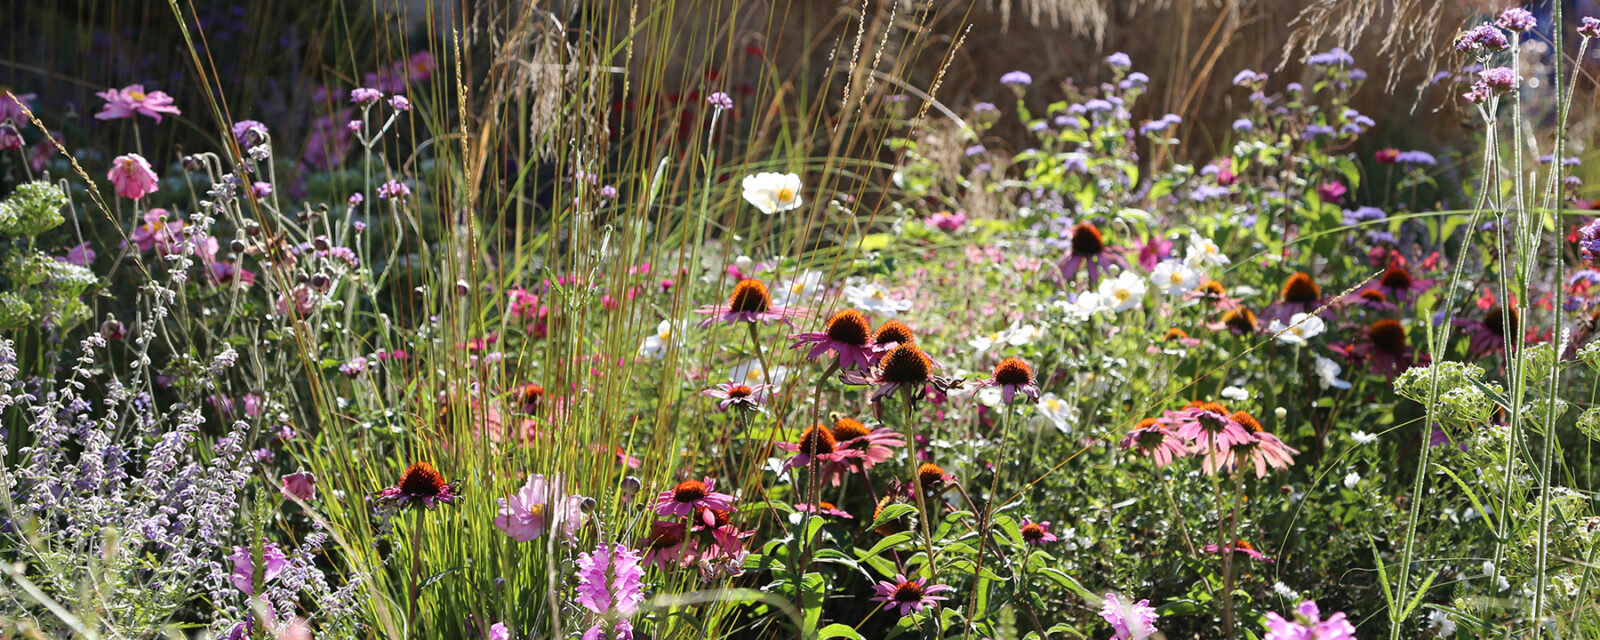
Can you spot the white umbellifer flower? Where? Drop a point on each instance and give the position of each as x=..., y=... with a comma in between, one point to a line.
x=655, y=345
x=1060, y=414
x=873, y=300
x=793, y=292
x=1351, y=479
x=1202, y=251
x=1329, y=371
x=1362, y=437
x=1302, y=327
x=773, y=192
x=749, y=373
x=1123, y=292
x=1174, y=278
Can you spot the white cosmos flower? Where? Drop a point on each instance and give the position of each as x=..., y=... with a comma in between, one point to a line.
x=1202, y=251
x=1329, y=371
x=806, y=287
x=1175, y=278
x=1060, y=414
x=749, y=373
x=1123, y=292
x=1301, y=327
x=773, y=192
x=873, y=300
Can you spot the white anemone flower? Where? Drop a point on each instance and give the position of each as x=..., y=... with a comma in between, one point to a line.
x=794, y=292
x=1060, y=414
x=655, y=345
x=873, y=300
x=1202, y=251
x=1301, y=328
x=1175, y=278
x=773, y=192
x=1123, y=292
x=1329, y=371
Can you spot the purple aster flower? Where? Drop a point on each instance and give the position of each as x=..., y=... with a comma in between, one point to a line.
x=1416, y=157
x=1098, y=106
x=1243, y=124
x=1248, y=78
x=908, y=595
x=1135, y=80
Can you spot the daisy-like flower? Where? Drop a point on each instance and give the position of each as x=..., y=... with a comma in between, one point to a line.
x=1203, y=252
x=847, y=335
x=908, y=595
x=538, y=507
x=1129, y=620
x=1088, y=248
x=1239, y=546
x=132, y=176
x=808, y=286
x=132, y=100
x=904, y=367
x=773, y=192
x=875, y=445
x=655, y=345
x=730, y=395
x=1123, y=292
x=682, y=500
x=420, y=485
x=750, y=302
x=932, y=477
x=1385, y=348
x=1301, y=328
x=1060, y=414
x=1037, y=533
x=1239, y=320
x=1301, y=294
x=817, y=443
x=824, y=508
x=1328, y=373
x=1262, y=451
x=667, y=545
x=1308, y=623
x=530, y=396
x=1398, y=284
x=1209, y=426
x=1174, y=278
x=1487, y=336
x=1154, y=440
x=1013, y=375
x=874, y=300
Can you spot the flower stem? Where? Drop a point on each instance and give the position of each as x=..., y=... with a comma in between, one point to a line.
x=416, y=575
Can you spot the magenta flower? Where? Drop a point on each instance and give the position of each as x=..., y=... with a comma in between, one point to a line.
x=668, y=545
x=1037, y=533
x=12, y=108
x=847, y=335
x=1153, y=250
x=499, y=632
x=682, y=499
x=1331, y=191
x=301, y=485
x=80, y=254
x=10, y=138
x=1155, y=441
x=750, y=302
x=249, y=133
x=817, y=443
x=908, y=595
x=875, y=445
x=537, y=507
x=1487, y=336
x=365, y=95
x=720, y=101
x=610, y=584
x=1129, y=621
x=1239, y=546
x=742, y=396
x=1089, y=249
x=905, y=367
x=134, y=100
x=132, y=176
x=244, y=566
x=823, y=508
x=1385, y=348
x=1013, y=376
x=1263, y=450
x=1309, y=625
x=393, y=189
x=1209, y=426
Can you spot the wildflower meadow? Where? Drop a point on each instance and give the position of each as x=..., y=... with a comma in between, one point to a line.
x=625, y=320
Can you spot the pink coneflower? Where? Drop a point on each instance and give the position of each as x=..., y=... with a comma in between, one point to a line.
x=1209, y=426
x=726, y=538
x=817, y=442
x=1487, y=336
x=1373, y=299
x=824, y=508
x=1153, y=440
x=1239, y=320
x=1088, y=249
x=750, y=302
x=133, y=99
x=537, y=507
x=1013, y=376
x=1385, y=348
x=1129, y=621
x=1037, y=533
x=683, y=498
x=908, y=595
x=421, y=484
x=847, y=335
x=1262, y=451
x=932, y=477
x=742, y=396
x=1398, y=284
x=666, y=545
x=905, y=367
x=1239, y=546
x=875, y=445
x=1300, y=294
x=132, y=176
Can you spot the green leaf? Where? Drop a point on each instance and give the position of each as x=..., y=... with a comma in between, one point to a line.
x=837, y=630
x=884, y=545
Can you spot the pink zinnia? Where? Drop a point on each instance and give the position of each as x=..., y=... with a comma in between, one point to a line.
x=134, y=100
x=683, y=498
x=132, y=176
x=908, y=595
x=750, y=302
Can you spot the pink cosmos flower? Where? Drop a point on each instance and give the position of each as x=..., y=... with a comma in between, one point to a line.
x=847, y=335
x=1135, y=621
x=1037, y=533
x=80, y=255
x=908, y=595
x=537, y=507
x=133, y=99
x=301, y=485
x=132, y=176
x=1309, y=625
x=683, y=498
x=244, y=566
x=1332, y=191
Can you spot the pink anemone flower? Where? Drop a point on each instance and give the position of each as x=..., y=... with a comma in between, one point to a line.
x=132, y=176
x=133, y=99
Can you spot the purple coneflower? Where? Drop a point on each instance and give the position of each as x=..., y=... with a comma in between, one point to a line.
x=908, y=595
x=1037, y=533
x=876, y=445
x=1263, y=450
x=1239, y=546
x=1155, y=441
x=734, y=395
x=932, y=477
x=817, y=442
x=682, y=499
x=824, y=508
x=1088, y=248
x=421, y=484
x=1013, y=376
x=1209, y=426
x=847, y=335
x=1398, y=284
x=905, y=367
x=750, y=302
x=666, y=545
x=1385, y=348
x=1300, y=294
x=1488, y=335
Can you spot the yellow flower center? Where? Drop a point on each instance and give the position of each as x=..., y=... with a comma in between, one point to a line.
x=799, y=287
x=1053, y=404
x=878, y=294
x=536, y=510
x=785, y=194
x=1177, y=278
x=136, y=95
